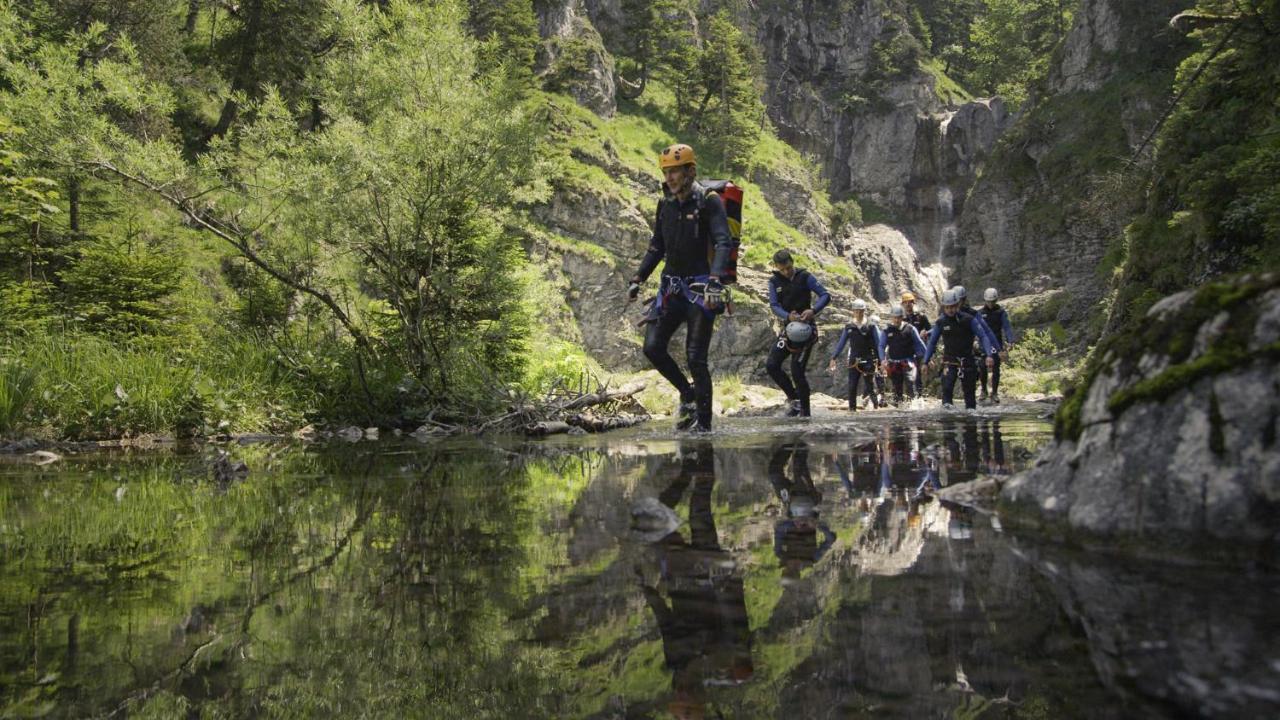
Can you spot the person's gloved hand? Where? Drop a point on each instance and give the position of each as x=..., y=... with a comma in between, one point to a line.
x=633, y=290
x=714, y=293
x=806, y=316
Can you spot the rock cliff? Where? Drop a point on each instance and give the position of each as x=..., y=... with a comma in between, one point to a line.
x=1172, y=436
x=1047, y=208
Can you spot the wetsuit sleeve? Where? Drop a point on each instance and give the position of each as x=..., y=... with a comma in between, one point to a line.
x=880, y=343
x=718, y=226
x=657, y=248
x=844, y=338
x=824, y=297
x=915, y=341
x=773, y=301
x=1009, y=339
x=983, y=333
x=931, y=347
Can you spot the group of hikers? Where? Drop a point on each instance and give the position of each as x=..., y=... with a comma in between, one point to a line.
x=696, y=237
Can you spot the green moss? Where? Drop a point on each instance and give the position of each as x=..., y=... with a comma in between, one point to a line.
x=1174, y=336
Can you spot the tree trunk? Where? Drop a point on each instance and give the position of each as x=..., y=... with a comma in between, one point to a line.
x=73, y=205
x=193, y=14
x=244, y=74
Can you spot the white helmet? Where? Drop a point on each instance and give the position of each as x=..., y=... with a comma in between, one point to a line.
x=897, y=312
x=990, y=295
x=950, y=297
x=799, y=333
x=859, y=305
x=875, y=319
x=961, y=292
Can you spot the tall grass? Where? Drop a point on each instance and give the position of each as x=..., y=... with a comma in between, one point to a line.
x=85, y=386
x=17, y=386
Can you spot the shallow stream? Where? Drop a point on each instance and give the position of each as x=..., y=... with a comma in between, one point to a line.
x=775, y=569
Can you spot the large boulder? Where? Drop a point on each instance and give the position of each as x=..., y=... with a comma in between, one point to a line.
x=1172, y=438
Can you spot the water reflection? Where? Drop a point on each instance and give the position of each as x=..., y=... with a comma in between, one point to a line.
x=702, y=615
x=787, y=576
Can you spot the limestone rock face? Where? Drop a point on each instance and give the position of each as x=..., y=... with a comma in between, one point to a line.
x=1037, y=218
x=1177, y=430
x=569, y=36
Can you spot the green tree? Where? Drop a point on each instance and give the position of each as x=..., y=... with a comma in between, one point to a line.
x=509, y=32
x=1012, y=43
x=730, y=113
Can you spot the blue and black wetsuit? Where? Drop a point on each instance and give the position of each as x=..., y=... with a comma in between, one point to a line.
x=957, y=334
x=693, y=237
x=865, y=347
x=996, y=318
x=902, y=348
x=787, y=295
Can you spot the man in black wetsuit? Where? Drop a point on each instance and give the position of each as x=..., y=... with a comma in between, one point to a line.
x=865, y=348
x=921, y=323
x=996, y=318
x=691, y=232
x=957, y=330
x=902, y=351
x=791, y=297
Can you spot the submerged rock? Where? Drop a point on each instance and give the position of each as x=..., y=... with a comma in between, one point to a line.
x=1173, y=434
x=651, y=520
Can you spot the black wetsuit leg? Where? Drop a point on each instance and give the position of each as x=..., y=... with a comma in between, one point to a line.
x=950, y=372
x=854, y=378
x=995, y=376
x=799, y=369
x=656, y=341
x=773, y=365
x=697, y=344
x=969, y=382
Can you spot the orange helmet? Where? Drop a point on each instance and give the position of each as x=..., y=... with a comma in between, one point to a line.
x=908, y=296
x=676, y=155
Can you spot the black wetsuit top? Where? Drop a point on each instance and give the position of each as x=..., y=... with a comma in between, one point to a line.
x=683, y=232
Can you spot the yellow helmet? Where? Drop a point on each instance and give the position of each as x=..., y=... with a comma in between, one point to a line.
x=908, y=297
x=676, y=155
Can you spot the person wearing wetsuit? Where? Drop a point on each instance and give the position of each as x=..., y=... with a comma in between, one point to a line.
x=792, y=294
x=902, y=347
x=957, y=330
x=865, y=347
x=996, y=318
x=691, y=232
x=963, y=294
x=921, y=323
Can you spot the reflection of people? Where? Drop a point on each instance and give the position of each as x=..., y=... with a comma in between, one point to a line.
x=795, y=537
x=703, y=620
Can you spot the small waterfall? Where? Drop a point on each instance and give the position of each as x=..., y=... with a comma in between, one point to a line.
x=945, y=220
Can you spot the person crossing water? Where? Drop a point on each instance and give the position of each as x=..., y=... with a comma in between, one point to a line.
x=691, y=232
x=902, y=349
x=796, y=297
x=957, y=330
x=865, y=345
x=921, y=323
x=996, y=318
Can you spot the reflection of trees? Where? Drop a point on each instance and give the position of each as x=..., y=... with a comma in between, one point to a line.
x=342, y=583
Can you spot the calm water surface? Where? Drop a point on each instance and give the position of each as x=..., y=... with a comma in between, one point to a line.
x=771, y=572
